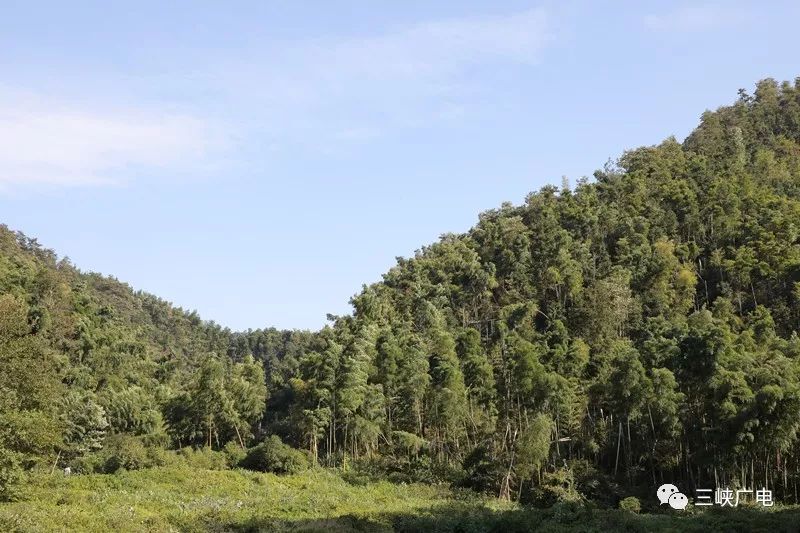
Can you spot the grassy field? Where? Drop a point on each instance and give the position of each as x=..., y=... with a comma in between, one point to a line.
x=185, y=499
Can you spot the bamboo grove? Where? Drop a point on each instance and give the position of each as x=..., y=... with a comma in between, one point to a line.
x=635, y=328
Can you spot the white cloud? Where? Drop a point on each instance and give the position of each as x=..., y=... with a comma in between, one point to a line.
x=43, y=143
x=352, y=90
x=440, y=49
x=330, y=93
x=697, y=17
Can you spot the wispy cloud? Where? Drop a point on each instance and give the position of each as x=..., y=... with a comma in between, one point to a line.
x=45, y=143
x=353, y=90
x=697, y=17
x=331, y=93
x=440, y=49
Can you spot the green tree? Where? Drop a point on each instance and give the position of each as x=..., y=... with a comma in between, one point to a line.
x=448, y=408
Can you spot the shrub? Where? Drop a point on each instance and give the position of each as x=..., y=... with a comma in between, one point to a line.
x=414, y=469
x=88, y=464
x=594, y=485
x=158, y=456
x=10, y=474
x=123, y=452
x=204, y=458
x=234, y=454
x=482, y=472
x=272, y=455
x=557, y=486
x=630, y=504
x=568, y=512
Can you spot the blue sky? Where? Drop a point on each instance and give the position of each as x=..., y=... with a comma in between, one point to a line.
x=259, y=161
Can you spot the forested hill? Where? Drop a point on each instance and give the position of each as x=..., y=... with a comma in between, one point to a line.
x=635, y=328
x=638, y=327
x=87, y=364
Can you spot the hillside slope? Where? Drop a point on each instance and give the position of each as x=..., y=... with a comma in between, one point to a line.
x=588, y=343
x=640, y=326
x=87, y=364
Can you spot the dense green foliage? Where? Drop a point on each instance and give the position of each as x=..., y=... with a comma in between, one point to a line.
x=637, y=328
x=587, y=344
x=274, y=456
x=98, y=377
x=185, y=499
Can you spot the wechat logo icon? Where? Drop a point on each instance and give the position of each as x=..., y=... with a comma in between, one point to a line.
x=670, y=495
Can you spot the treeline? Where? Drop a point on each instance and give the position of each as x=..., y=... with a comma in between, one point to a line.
x=87, y=364
x=636, y=328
